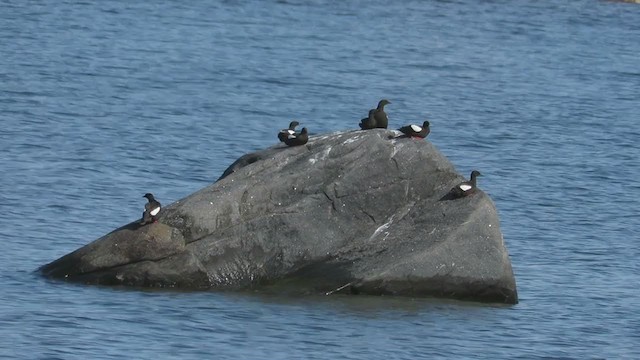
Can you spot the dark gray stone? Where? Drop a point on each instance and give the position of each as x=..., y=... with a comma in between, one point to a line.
x=350, y=212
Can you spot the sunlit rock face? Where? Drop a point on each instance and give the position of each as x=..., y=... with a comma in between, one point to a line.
x=358, y=212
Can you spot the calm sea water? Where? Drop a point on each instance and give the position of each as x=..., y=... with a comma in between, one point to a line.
x=101, y=102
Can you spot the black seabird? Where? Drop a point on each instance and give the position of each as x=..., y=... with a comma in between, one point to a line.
x=416, y=130
x=151, y=210
x=368, y=122
x=284, y=133
x=297, y=139
x=465, y=188
x=381, y=117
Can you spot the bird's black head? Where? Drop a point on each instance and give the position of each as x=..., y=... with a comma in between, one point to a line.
x=383, y=102
x=425, y=124
x=149, y=196
x=304, y=131
x=293, y=124
x=475, y=173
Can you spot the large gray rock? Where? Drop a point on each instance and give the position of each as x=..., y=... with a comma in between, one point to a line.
x=361, y=208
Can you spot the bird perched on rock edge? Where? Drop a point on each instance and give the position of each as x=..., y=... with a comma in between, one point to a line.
x=465, y=188
x=297, y=139
x=368, y=122
x=416, y=130
x=284, y=133
x=151, y=210
x=382, y=121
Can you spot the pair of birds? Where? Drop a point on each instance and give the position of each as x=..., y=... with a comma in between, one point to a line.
x=288, y=136
x=291, y=138
x=152, y=207
x=378, y=119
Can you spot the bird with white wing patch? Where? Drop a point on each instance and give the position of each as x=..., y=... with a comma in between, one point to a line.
x=416, y=130
x=285, y=133
x=151, y=210
x=297, y=139
x=465, y=188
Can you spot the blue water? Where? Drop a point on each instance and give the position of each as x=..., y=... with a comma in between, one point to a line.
x=101, y=102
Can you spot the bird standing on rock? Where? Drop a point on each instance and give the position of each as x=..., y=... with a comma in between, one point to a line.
x=284, y=133
x=297, y=139
x=382, y=121
x=151, y=210
x=416, y=130
x=465, y=188
x=368, y=122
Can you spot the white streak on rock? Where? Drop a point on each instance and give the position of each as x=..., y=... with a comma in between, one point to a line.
x=350, y=140
x=394, y=151
x=321, y=156
x=382, y=228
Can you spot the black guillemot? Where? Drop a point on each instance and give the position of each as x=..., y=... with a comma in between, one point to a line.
x=368, y=122
x=465, y=188
x=297, y=139
x=382, y=120
x=151, y=210
x=416, y=130
x=285, y=133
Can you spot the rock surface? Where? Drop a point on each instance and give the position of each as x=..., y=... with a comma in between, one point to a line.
x=350, y=212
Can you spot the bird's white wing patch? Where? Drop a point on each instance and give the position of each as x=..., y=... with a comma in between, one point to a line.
x=416, y=128
x=465, y=187
x=291, y=132
x=291, y=136
x=155, y=211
